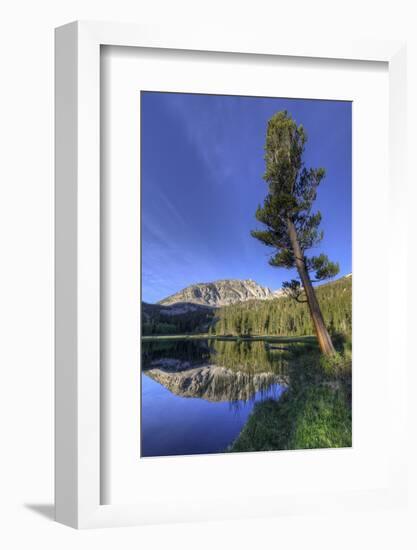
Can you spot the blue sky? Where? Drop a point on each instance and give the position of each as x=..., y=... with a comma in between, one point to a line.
x=201, y=176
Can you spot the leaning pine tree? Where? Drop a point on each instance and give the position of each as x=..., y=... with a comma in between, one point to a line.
x=291, y=227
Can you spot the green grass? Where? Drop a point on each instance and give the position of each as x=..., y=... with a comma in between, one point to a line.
x=315, y=412
x=323, y=420
x=318, y=419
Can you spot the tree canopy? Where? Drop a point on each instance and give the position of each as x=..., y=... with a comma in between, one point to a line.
x=292, y=191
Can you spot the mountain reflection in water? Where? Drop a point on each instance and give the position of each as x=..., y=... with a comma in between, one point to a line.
x=198, y=394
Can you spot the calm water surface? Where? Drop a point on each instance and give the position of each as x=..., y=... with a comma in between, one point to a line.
x=197, y=394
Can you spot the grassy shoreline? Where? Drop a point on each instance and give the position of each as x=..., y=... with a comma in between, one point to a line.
x=254, y=338
x=318, y=419
x=315, y=412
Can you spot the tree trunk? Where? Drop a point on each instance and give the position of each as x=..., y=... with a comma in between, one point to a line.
x=322, y=333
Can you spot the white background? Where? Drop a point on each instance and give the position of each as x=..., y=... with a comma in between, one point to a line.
x=26, y=285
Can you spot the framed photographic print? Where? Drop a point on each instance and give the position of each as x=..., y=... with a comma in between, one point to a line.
x=221, y=208
x=218, y=348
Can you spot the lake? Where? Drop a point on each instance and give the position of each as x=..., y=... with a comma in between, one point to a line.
x=197, y=394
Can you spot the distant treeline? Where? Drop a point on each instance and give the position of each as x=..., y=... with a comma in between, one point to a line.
x=280, y=317
x=285, y=316
x=155, y=322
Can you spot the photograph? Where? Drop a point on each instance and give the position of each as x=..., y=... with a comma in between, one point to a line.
x=246, y=274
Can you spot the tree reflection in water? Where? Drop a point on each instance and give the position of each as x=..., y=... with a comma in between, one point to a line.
x=218, y=370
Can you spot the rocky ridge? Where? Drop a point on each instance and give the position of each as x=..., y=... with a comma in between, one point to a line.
x=221, y=293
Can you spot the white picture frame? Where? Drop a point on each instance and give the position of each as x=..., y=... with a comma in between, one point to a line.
x=78, y=321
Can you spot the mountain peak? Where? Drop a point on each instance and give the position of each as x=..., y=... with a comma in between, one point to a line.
x=219, y=293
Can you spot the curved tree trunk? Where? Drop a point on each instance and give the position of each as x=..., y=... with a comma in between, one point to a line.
x=323, y=336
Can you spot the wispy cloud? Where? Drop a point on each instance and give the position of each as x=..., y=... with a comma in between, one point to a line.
x=207, y=131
